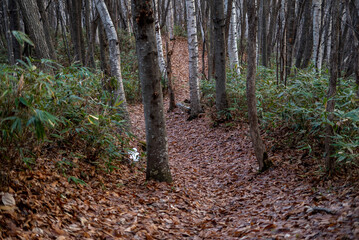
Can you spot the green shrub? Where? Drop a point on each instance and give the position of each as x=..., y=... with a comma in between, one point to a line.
x=298, y=108
x=65, y=109
x=179, y=31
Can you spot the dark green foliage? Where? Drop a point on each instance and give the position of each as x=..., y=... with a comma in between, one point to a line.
x=66, y=109
x=298, y=109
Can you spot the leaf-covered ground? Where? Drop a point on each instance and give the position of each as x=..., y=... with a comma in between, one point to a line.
x=217, y=192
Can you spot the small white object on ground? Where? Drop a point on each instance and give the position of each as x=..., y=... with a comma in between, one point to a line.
x=134, y=155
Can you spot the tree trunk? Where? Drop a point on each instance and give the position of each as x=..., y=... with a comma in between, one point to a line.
x=263, y=31
x=14, y=16
x=290, y=37
x=90, y=54
x=259, y=148
x=316, y=29
x=193, y=59
x=46, y=25
x=171, y=87
x=232, y=42
x=334, y=56
x=114, y=51
x=8, y=34
x=219, y=55
x=31, y=17
x=170, y=21
x=161, y=59
x=76, y=29
x=149, y=74
x=306, y=37
x=243, y=29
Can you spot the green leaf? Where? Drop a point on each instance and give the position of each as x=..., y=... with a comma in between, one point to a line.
x=22, y=37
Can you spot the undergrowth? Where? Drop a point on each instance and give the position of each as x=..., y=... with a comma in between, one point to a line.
x=298, y=110
x=61, y=108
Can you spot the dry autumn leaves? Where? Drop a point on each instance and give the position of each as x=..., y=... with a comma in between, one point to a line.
x=217, y=192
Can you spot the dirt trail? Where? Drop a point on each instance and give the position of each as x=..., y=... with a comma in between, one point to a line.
x=219, y=193
x=216, y=193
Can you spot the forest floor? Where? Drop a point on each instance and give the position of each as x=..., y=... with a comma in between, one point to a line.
x=217, y=192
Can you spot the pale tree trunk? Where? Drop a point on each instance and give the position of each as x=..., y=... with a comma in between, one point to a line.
x=170, y=21
x=193, y=59
x=161, y=59
x=149, y=74
x=219, y=55
x=124, y=12
x=232, y=42
x=31, y=17
x=114, y=52
x=317, y=5
x=334, y=57
x=259, y=148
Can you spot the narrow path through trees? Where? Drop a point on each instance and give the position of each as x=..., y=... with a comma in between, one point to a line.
x=217, y=192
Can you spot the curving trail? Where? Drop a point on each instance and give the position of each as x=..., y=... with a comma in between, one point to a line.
x=216, y=194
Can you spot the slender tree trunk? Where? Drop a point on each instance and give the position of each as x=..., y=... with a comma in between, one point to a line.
x=14, y=16
x=220, y=55
x=90, y=54
x=329, y=160
x=161, y=59
x=149, y=74
x=243, y=29
x=210, y=54
x=103, y=50
x=232, y=42
x=170, y=21
x=193, y=58
x=31, y=17
x=263, y=31
x=8, y=34
x=316, y=28
x=290, y=37
x=171, y=87
x=114, y=51
x=259, y=148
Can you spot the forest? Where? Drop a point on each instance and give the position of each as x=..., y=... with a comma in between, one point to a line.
x=179, y=119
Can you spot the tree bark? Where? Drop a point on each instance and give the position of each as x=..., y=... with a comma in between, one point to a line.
x=31, y=17
x=232, y=42
x=334, y=52
x=290, y=37
x=193, y=59
x=149, y=74
x=47, y=31
x=8, y=34
x=114, y=51
x=220, y=55
x=14, y=17
x=306, y=37
x=259, y=148
x=76, y=29
x=263, y=31
x=161, y=59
